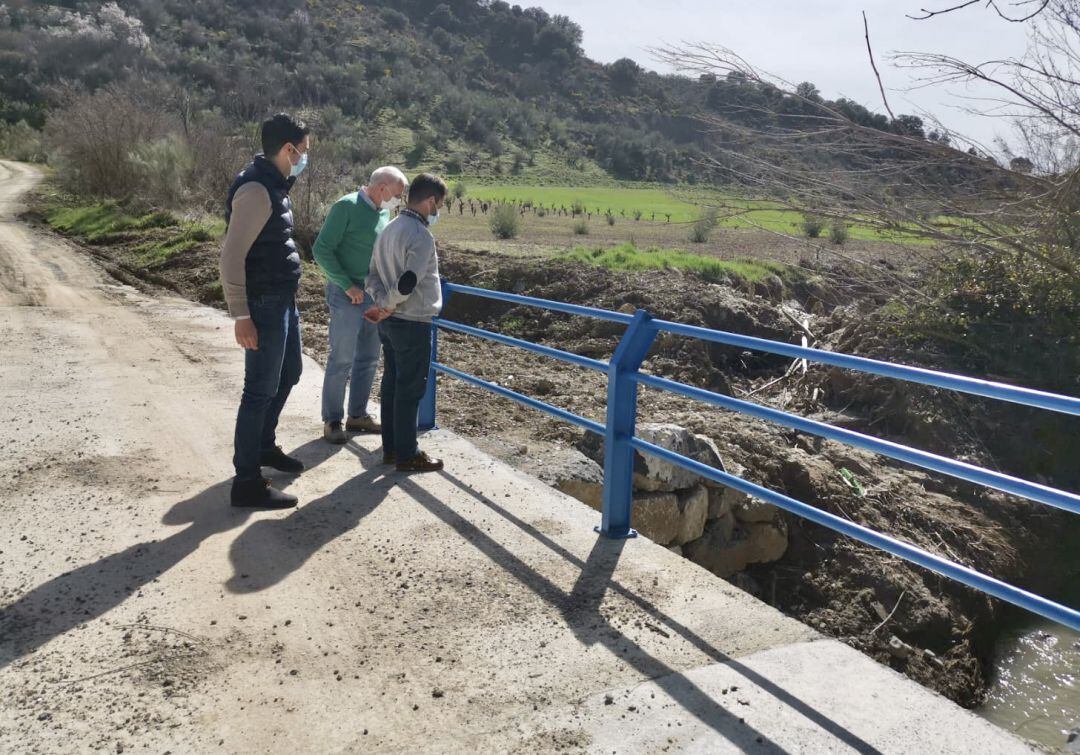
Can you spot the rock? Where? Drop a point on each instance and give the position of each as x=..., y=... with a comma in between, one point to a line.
x=694, y=509
x=725, y=525
x=652, y=474
x=721, y=497
x=589, y=493
x=768, y=541
x=657, y=516
x=1072, y=743
x=568, y=471
x=898, y=648
x=718, y=504
x=721, y=550
x=753, y=510
x=728, y=546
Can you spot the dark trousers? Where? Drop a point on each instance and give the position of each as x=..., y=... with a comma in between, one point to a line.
x=270, y=372
x=406, y=361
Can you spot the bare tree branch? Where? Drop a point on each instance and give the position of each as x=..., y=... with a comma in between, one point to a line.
x=870, y=52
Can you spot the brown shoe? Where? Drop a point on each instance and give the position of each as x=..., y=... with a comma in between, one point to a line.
x=365, y=424
x=332, y=433
x=389, y=458
x=420, y=463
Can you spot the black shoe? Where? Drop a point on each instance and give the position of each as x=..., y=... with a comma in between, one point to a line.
x=277, y=459
x=332, y=433
x=420, y=463
x=257, y=494
x=389, y=458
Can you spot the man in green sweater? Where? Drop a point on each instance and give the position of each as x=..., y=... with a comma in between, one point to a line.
x=343, y=251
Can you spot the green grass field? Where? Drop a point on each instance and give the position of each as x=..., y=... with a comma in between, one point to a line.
x=629, y=257
x=655, y=203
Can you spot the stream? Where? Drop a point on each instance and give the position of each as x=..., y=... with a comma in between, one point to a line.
x=1035, y=692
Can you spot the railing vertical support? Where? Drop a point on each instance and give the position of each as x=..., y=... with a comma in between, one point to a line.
x=621, y=421
x=425, y=419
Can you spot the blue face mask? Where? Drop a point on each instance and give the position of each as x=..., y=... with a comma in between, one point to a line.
x=433, y=219
x=299, y=167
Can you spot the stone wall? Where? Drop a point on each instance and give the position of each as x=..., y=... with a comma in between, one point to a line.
x=713, y=525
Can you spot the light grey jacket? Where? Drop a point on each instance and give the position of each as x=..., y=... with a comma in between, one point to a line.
x=406, y=245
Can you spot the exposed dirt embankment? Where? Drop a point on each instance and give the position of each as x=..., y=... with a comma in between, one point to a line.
x=869, y=600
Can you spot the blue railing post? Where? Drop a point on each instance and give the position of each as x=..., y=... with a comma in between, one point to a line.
x=425, y=419
x=621, y=421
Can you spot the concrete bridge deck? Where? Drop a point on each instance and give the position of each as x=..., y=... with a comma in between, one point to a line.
x=469, y=611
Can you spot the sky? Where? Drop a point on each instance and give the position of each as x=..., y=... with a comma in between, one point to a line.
x=813, y=40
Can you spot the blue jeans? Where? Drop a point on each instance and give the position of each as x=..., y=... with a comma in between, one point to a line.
x=406, y=361
x=270, y=372
x=354, y=350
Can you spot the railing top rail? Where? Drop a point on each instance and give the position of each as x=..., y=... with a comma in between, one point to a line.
x=530, y=301
x=1017, y=395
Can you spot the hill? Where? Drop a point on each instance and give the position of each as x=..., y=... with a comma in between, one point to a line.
x=463, y=86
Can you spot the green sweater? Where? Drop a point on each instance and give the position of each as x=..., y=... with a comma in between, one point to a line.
x=343, y=248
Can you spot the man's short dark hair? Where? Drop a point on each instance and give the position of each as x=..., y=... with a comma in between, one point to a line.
x=426, y=185
x=280, y=130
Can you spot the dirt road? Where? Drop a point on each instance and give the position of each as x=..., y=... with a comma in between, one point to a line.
x=470, y=611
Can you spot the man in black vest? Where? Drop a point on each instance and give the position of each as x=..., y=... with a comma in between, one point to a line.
x=260, y=273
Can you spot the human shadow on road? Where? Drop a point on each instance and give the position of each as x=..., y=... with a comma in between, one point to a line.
x=581, y=609
x=83, y=594
x=271, y=549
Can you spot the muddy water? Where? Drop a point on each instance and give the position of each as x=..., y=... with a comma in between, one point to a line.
x=1036, y=688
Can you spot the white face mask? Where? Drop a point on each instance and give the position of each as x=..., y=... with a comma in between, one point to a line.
x=390, y=204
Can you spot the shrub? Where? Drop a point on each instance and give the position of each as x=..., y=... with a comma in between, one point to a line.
x=454, y=165
x=838, y=232
x=92, y=139
x=541, y=212
x=460, y=190
x=577, y=208
x=163, y=166
x=21, y=141
x=703, y=227
x=325, y=180
x=813, y=225
x=610, y=219
x=505, y=222
x=581, y=228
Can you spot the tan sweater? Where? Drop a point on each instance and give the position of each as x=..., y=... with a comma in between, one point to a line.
x=250, y=211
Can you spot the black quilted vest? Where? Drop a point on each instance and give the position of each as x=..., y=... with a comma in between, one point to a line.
x=273, y=263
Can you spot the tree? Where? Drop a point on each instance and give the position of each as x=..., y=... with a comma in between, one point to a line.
x=1021, y=165
x=624, y=75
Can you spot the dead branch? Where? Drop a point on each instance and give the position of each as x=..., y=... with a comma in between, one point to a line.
x=873, y=65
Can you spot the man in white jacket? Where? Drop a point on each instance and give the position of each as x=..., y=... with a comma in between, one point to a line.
x=403, y=281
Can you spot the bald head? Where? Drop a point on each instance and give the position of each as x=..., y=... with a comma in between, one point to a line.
x=388, y=175
x=386, y=186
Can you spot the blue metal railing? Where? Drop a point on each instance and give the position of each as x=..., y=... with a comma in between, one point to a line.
x=624, y=377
